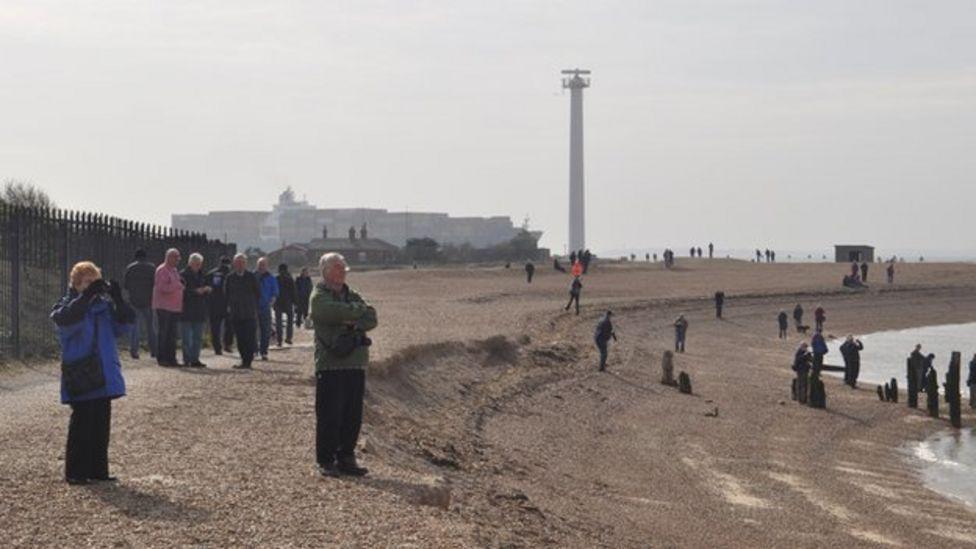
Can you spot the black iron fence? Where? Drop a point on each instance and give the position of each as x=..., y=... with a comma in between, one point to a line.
x=38, y=248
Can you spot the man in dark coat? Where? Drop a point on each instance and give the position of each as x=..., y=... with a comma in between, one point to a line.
x=719, y=303
x=138, y=281
x=193, y=319
x=798, y=316
x=221, y=333
x=819, y=316
x=243, y=292
x=285, y=304
x=604, y=332
x=529, y=272
x=574, y=293
x=783, y=324
x=801, y=365
x=303, y=292
x=851, y=351
x=864, y=272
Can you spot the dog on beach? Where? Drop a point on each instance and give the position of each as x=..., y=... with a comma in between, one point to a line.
x=803, y=329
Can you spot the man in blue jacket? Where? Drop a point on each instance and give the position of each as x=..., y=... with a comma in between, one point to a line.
x=269, y=293
x=819, y=347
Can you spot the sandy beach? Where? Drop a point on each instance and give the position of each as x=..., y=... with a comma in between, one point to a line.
x=487, y=425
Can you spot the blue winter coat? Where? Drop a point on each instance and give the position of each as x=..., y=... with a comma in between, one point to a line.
x=269, y=290
x=818, y=344
x=75, y=321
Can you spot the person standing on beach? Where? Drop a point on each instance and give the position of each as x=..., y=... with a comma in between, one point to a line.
x=891, y=273
x=801, y=365
x=284, y=306
x=798, y=316
x=820, y=316
x=711, y=250
x=167, y=301
x=221, y=333
x=529, y=272
x=851, y=351
x=193, y=319
x=604, y=332
x=303, y=292
x=269, y=294
x=341, y=317
x=680, y=331
x=819, y=346
x=864, y=271
x=243, y=292
x=574, y=293
x=719, y=303
x=139, y=278
x=783, y=324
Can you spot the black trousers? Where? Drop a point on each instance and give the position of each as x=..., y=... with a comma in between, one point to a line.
x=338, y=413
x=168, y=324
x=572, y=298
x=301, y=311
x=221, y=332
x=279, y=318
x=246, y=331
x=718, y=310
x=88, y=432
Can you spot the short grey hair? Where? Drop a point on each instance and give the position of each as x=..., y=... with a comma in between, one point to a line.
x=328, y=260
x=240, y=256
x=195, y=257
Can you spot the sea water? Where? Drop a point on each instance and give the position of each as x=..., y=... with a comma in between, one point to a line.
x=947, y=460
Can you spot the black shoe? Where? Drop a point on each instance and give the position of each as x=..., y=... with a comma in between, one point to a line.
x=169, y=364
x=107, y=478
x=135, y=356
x=348, y=466
x=264, y=358
x=288, y=341
x=329, y=470
x=76, y=481
x=197, y=364
x=218, y=353
x=241, y=366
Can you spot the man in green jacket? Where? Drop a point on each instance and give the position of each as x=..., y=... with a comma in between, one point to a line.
x=341, y=318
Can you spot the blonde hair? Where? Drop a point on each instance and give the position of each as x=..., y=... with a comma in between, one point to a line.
x=82, y=270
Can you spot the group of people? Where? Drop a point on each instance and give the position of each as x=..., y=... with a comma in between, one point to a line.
x=172, y=304
x=93, y=313
x=770, y=255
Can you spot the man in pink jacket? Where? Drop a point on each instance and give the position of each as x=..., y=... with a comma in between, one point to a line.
x=167, y=301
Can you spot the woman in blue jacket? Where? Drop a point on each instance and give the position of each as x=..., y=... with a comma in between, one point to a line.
x=91, y=308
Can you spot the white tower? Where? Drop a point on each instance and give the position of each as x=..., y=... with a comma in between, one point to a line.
x=575, y=83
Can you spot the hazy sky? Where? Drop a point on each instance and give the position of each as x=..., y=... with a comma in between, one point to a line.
x=791, y=124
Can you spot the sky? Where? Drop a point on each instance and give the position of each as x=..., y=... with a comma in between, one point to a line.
x=747, y=123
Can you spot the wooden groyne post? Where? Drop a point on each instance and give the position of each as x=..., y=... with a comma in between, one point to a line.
x=932, y=393
x=952, y=395
x=912, y=384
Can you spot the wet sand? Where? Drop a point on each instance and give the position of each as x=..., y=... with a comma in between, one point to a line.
x=475, y=440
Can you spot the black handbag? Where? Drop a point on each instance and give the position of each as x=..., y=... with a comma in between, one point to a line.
x=84, y=375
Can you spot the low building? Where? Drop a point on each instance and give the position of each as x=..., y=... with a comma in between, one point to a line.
x=359, y=251
x=846, y=253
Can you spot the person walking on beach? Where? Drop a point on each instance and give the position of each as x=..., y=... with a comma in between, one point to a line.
x=167, y=301
x=851, y=351
x=798, y=316
x=221, y=333
x=819, y=346
x=801, y=365
x=680, y=331
x=140, y=275
x=303, y=292
x=284, y=306
x=341, y=317
x=819, y=316
x=194, y=315
x=864, y=272
x=269, y=294
x=891, y=273
x=574, y=293
x=89, y=318
x=529, y=272
x=719, y=303
x=711, y=250
x=243, y=293
x=783, y=324
x=604, y=332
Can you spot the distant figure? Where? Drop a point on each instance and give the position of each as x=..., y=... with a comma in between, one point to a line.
x=971, y=382
x=572, y=257
x=680, y=331
x=602, y=335
x=655, y=257
x=891, y=273
x=820, y=316
x=783, y=321
x=798, y=316
x=758, y=255
x=574, y=293
x=352, y=233
x=819, y=346
x=801, y=365
x=699, y=252
x=851, y=351
x=221, y=332
x=855, y=271
x=529, y=272
x=864, y=271
x=692, y=253
x=325, y=232
x=918, y=360
x=719, y=303
x=363, y=232
x=138, y=281
x=303, y=293
x=647, y=257
x=284, y=306
x=556, y=266
x=711, y=250
x=772, y=256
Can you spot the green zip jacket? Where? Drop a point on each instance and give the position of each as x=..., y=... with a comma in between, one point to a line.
x=331, y=313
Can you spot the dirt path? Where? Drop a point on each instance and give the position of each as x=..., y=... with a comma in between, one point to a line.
x=476, y=440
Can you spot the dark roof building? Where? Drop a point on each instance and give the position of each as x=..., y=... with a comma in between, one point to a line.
x=846, y=253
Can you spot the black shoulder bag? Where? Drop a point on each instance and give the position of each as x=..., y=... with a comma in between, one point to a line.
x=84, y=375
